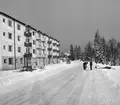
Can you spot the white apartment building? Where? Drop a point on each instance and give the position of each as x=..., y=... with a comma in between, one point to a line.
x=13, y=44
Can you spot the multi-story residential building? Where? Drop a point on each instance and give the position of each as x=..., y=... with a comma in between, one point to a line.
x=11, y=42
x=21, y=43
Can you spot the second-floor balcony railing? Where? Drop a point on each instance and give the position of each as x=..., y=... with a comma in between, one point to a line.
x=29, y=55
x=58, y=45
x=54, y=44
x=54, y=50
x=49, y=49
x=27, y=34
x=27, y=44
x=49, y=56
x=49, y=42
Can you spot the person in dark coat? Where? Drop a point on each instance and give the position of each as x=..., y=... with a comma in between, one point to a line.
x=84, y=65
x=90, y=65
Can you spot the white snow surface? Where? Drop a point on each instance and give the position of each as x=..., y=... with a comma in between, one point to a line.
x=10, y=77
x=112, y=74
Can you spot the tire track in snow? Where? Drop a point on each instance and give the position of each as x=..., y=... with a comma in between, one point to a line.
x=57, y=91
x=6, y=99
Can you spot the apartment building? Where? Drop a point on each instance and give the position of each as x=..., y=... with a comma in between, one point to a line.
x=19, y=41
x=11, y=42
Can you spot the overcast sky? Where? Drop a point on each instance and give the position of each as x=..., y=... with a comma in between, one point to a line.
x=70, y=21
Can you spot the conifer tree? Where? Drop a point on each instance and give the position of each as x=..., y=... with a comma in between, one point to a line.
x=71, y=52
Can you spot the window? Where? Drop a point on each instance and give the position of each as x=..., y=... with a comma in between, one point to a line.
x=34, y=42
x=33, y=33
x=33, y=51
x=10, y=23
x=10, y=35
x=10, y=48
x=4, y=47
x=18, y=26
x=5, y=60
x=4, y=20
x=19, y=49
x=10, y=61
x=3, y=33
x=18, y=38
x=21, y=60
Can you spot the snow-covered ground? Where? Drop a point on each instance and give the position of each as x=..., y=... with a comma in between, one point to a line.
x=113, y=74
x=11, y=77
x=65, y=84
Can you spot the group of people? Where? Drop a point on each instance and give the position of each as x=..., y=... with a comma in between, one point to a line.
x=85, y=65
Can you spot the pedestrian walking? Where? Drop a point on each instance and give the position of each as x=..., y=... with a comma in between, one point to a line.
x=84, y=65
x=90, y=65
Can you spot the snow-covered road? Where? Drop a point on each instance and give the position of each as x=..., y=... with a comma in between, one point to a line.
x=70, y=86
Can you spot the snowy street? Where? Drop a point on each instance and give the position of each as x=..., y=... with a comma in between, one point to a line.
x=69, y=85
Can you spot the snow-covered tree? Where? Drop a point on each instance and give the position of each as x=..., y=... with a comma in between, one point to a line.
x=72, y=57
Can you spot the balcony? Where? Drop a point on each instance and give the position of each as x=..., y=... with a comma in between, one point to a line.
x=49, y=42
x=43, y=40
x=28, y=44
x=58, y=45
x=38, y=37
x=54, y=44
x=49, y=49
x=58, y=51
x=27, y=34
x=29, y=55
x=49, y=56
x=54, y=50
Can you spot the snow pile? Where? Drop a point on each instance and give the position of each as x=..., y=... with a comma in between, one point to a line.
x=49, y=70
x=113, y=74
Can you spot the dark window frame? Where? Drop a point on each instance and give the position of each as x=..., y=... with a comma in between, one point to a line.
x=21, y=60
x=18, y=27
x=9, y=35
x=19, y=49
x=4, y=33
x=4, y=47
x=10, y=23
x=10, y=48
x=4, y=20
x=5, y=61
x=19, y=38
x=10, y=61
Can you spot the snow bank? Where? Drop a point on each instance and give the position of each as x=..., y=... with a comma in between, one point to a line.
x=49, y=71
x=113, y=74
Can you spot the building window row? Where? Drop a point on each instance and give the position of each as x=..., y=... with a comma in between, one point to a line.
x=10, y=61
x=10, y=47
x=10, y=24
x=10, y=36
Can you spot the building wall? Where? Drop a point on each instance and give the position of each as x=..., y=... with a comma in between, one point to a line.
x=6, y=42
x=1, y=42
x=16, y=42
x=19, y=43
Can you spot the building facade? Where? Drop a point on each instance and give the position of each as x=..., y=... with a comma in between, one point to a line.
x=19, y=41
